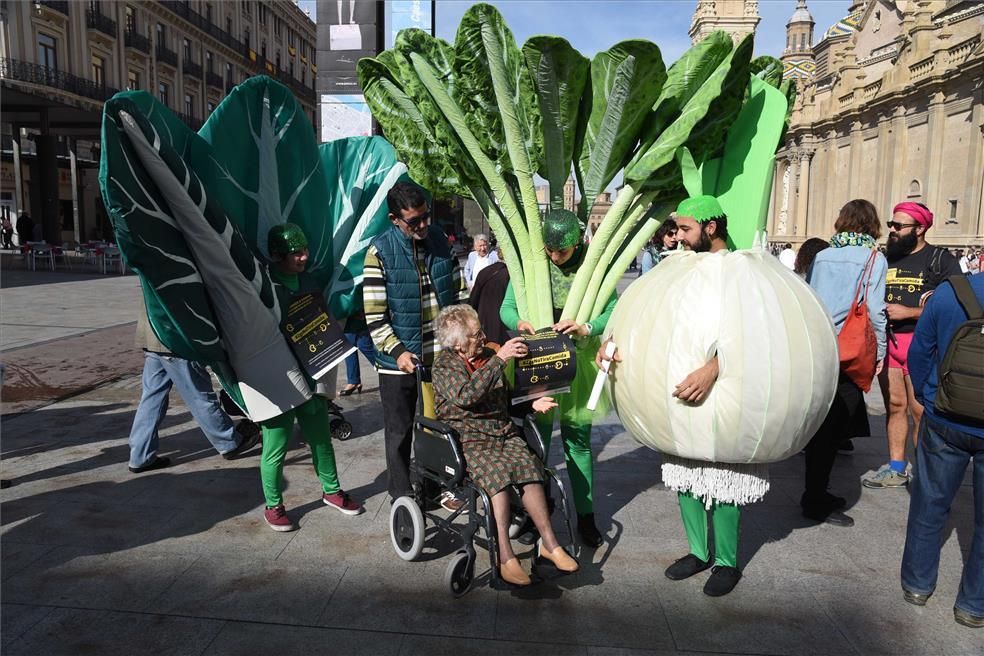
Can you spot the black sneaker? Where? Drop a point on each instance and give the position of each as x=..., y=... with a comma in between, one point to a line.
x=686, y=567
x=157, y=463
x=589, y=533
x=915, y=598
x=968, y=619
x=249, y=437
x=846, y=447
x=828, y=516
x=723, y=580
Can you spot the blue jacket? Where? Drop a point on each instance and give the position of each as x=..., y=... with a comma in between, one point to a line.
x=403, y=285
x=940, y=318
x=835, y=275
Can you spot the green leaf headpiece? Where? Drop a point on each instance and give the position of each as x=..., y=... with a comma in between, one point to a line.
x=700, y=208
x=561, y=229
x=285, y=239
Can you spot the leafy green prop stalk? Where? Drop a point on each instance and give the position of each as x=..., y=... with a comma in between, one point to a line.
x=481, y=117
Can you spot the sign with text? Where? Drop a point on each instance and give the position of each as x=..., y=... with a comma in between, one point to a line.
x=317, y=340
x=547, y=369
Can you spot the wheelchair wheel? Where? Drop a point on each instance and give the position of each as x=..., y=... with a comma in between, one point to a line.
x=459, y=574
x=407, y=528
x=340, y=429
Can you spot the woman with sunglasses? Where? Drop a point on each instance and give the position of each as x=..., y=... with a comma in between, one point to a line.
x=851, y=263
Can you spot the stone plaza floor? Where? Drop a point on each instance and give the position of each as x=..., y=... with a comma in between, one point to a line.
x=96, y=560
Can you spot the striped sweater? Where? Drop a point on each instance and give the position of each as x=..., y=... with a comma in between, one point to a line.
x=377, y=310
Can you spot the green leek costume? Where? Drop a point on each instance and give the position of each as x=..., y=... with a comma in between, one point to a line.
x=575, y=418
x=312, y=416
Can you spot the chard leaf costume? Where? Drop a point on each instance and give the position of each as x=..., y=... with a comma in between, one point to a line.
x=561, y=231
x=193, y=212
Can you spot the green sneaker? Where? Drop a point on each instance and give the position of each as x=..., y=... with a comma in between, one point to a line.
x=885, y=477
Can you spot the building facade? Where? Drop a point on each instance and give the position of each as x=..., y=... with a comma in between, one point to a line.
x=893, y=111
x=736, y=17
x=59, y=61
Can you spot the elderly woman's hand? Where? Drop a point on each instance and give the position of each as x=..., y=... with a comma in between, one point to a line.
x=514, y=348
x=544, y=404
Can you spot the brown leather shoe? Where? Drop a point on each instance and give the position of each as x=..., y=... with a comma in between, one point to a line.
x=561, y=559
x=512, y=572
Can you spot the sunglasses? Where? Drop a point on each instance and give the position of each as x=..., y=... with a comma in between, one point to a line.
x=417, y=220
x=895, y=225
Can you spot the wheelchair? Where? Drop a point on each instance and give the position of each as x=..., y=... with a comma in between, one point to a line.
x=437, y=466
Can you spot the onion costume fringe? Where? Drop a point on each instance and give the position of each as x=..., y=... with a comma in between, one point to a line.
x=738, y=483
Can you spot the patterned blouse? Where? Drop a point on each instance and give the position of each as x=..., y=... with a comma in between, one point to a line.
x=475, y=404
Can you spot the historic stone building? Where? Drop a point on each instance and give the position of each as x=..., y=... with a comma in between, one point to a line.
x=736, y=17
x=893, y=111
x=59, y=61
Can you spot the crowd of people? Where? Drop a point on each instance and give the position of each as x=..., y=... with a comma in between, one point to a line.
x=423, y=310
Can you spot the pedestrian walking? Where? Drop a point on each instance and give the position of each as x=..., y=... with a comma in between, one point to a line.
x=163, y=370
x=948, y=339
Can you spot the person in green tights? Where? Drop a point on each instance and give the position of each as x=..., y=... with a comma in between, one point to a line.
x=564, y=243
x=288, y=249
x=718, y=489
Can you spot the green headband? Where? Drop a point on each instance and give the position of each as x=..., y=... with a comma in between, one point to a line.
x=285, y=239
x=561, y=229
x=700, y=208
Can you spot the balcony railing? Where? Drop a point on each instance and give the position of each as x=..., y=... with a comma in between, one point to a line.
x=22, y=71
x=167, y=56
x=192, y=69
x=190, y=121
x=138, y=41
x=214, y=80
x=100, y=22
x=184, y=11
x=61, y=6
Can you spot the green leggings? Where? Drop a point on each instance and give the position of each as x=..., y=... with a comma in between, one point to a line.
x=313, y=419
x=577, y=449
x=725, y=516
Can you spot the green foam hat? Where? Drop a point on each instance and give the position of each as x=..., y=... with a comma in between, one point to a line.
x=700, y=208
x=561, y=229
x=285, y=239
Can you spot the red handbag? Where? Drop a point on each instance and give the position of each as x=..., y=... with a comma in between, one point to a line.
x=857, y=342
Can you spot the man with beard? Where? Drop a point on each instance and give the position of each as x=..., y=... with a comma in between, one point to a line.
x=915, y=269
x=707, y=488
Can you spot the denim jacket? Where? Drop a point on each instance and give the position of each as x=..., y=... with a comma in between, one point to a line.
x=835, y=275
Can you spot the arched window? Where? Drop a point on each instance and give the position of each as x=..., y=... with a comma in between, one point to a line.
x=915, y=189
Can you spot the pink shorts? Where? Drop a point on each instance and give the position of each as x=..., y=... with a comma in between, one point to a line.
x=898, y=351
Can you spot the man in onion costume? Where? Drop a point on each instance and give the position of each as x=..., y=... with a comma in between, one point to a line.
x=701, y=486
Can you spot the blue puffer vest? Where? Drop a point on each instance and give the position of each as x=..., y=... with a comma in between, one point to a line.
x=396, y=252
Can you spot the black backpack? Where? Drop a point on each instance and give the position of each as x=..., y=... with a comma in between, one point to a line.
x=961, y=390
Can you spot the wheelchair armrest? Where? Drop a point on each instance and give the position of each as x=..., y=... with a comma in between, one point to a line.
x=439, y=430
x=534, y=440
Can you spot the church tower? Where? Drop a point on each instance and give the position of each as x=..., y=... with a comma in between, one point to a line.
x=798, y=62
x=736, y=17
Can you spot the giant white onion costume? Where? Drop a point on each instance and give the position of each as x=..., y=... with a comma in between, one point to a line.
x=776, y=348
x=777, y=367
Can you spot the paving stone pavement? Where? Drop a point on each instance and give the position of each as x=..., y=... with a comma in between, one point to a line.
x=96, y=560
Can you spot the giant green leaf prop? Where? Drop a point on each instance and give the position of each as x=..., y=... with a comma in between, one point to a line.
x=256, y=155
x=483, y=115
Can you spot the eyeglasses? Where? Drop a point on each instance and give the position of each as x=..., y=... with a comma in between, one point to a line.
x=417, y=220
x=477, y=335
x=895, y=225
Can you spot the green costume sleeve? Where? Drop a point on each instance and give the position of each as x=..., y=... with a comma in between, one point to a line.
x=509, y=313
x=599, y=323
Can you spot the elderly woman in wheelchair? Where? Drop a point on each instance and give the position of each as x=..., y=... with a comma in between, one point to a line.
x=472, y=398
